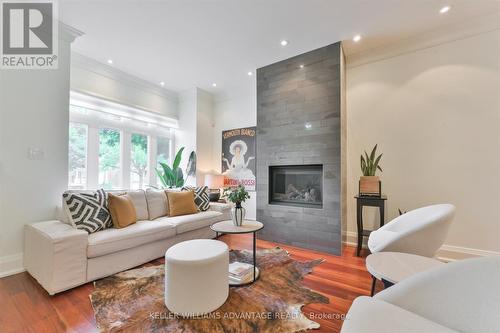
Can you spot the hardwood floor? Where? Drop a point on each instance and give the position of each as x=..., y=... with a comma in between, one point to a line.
x=26, y=307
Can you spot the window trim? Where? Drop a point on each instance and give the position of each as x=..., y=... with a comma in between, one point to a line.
x=121, y=160
x=148, y=158
x=86, y=156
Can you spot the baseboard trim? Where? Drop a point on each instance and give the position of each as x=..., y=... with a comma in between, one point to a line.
x=11, y=264
x=453, y=253
x=445, y=253
x=351, y=239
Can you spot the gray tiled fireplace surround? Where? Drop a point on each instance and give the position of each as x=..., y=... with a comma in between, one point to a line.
x=298, y=123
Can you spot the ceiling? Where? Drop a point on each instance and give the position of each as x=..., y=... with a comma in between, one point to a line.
x=188, y=43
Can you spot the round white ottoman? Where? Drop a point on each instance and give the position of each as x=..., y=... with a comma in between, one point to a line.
x=196, y=277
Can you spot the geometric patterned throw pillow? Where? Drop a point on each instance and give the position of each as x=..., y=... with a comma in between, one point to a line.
x=88, y=211
x=201, y=197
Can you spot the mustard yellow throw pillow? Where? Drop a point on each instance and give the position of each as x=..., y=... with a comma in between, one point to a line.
x=181, y=203
x=122, y=210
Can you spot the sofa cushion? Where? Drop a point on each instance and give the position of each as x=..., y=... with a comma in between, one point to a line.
x=113, y=240
x=138, y=198
x=157, y=203
x=220, y=207
x=185, y=223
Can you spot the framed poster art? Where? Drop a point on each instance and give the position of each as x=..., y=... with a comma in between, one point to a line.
x=238, y=157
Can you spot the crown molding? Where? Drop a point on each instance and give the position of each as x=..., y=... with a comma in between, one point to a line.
x=207, y=96
x=92, y=65
x=194, y=94
x=447, y=34
x=68, y=33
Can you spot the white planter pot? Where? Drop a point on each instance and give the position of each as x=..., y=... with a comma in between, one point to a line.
x=238, y=215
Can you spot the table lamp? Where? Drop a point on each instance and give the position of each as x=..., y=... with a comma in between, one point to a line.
x=214, y=182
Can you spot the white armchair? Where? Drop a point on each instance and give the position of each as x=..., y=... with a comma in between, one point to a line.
x=462, y=296
x=421, y=231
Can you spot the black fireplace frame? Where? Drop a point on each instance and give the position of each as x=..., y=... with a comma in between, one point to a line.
x=294, y=204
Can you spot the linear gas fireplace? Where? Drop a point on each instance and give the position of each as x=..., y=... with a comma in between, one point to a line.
x=296, y=185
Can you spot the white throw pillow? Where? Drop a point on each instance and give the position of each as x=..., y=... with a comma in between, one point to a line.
x=157, y=203
x=138, y=198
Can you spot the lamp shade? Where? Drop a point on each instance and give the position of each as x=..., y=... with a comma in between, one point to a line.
x=214, y=181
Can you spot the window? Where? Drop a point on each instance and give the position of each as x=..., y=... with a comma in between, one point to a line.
x=162, y=150
x=138, y=160
x=109, y=159
x=113, y=146
x=77, y=156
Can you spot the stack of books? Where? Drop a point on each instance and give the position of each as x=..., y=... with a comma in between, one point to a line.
x=240, y=272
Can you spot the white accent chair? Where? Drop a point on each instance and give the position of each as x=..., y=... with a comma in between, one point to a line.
x=421, y=231
x=462, y=296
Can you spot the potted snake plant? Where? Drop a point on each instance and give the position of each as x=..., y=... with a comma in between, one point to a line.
x=369, y=183
x=237, y=195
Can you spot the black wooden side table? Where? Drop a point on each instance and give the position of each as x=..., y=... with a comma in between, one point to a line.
x=371, y=201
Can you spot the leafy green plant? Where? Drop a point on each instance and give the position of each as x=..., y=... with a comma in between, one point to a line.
x=171, y=176
x=370, y=164
x=191, y=165
x=236, y=194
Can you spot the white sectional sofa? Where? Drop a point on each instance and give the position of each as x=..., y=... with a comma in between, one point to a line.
x=61, y=257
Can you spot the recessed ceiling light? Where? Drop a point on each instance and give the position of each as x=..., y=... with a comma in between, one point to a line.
x=445, y=9
x=250, y=73
x=356, y=38
x=284, y=42
x=110, y=61
x=214, y=84
x=301, y=66
x=162, y=83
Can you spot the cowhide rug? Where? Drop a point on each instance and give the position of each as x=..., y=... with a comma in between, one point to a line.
x=132, y=301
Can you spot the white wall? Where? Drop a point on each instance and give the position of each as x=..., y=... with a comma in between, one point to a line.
x=435, y=114
x=196, y=118
x=33, y=114
x=205, y=128
x=93, y=78
x=185, y=135
x=240, y=111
